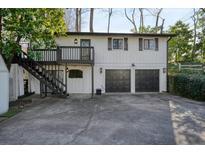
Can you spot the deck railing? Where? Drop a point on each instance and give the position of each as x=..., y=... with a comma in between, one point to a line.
x=67, y=54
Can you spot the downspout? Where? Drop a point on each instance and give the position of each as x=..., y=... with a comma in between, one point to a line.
x=167, y=63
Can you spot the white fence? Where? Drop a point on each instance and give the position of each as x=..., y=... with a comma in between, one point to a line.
x=192, y=67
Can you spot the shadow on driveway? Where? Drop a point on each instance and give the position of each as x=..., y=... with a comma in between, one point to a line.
x=107, y=119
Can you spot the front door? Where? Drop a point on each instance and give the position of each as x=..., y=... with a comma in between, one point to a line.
x=85, y=52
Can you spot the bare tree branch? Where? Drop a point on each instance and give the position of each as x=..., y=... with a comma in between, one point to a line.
x=203, y=9
x=157, y=17
x=132, y=20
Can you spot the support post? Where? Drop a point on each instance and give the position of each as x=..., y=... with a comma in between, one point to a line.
x=92, y=80
x=66, y=78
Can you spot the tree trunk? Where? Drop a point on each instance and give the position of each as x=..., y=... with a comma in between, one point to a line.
x=79, y=19
x=194, y=18
x=109, y=17
x=162, y=26
x=157, y=19
x=141, y=20
x=91, y=19
x=76, y=19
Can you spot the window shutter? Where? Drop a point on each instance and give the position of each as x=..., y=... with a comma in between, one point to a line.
x=156, y=44
x=126, y=44
x=140, y=44
x=109, y=43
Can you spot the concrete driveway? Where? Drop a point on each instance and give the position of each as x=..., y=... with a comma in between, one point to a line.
x=108, y=119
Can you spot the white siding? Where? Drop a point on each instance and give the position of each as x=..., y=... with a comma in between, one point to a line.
x=80, y=85
x=115, y=59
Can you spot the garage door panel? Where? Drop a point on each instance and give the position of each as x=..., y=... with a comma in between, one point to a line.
x=117, y=81
x=147, y=80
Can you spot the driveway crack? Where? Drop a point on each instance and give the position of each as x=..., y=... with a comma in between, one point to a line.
x=85, y=128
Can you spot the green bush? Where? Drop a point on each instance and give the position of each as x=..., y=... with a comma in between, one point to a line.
x=188, y=85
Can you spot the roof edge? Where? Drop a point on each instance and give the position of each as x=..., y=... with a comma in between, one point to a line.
x=116, y=34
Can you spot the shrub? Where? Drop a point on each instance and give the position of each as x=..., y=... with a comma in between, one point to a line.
x=188, y=85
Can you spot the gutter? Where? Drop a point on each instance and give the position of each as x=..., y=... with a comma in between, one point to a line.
x=167, y=63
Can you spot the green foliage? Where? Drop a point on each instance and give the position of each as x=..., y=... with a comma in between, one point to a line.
x=38, y=26
x=190, y=85
x=11, y=112
x=180, y=46
x=36, y=55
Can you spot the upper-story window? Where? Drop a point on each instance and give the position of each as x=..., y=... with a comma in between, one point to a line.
x=117, y=43
x=149, y=44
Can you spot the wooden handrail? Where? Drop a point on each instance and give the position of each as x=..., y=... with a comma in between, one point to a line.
x=43, y=69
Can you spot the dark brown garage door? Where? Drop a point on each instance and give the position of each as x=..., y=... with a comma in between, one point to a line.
x=147, y=80
x=117, y=81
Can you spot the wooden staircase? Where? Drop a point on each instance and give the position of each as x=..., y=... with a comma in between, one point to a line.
x=44, y=76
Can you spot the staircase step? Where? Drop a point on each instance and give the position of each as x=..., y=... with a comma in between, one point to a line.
x=37, y=71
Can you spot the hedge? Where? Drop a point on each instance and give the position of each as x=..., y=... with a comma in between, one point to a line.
x=188, y=85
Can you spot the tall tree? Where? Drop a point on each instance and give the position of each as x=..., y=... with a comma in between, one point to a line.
x=195, y=20
x=39, y=26
x=76, y=19
x=131, y=19
x=201, y=35
x=91, y=19
x=179, y=46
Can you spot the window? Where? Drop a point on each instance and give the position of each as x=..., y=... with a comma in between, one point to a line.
x=117, y=43
x=75, y=74
x=149, y=44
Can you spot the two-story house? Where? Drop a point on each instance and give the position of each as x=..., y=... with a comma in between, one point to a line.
x=110, y=62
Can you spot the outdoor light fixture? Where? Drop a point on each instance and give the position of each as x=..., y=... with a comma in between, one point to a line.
x=67, y=70
x=76, y=41
x=133, y=65
x=164, y=70
x=101, y=70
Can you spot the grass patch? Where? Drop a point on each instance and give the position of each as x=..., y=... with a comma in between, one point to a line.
x=12, y=111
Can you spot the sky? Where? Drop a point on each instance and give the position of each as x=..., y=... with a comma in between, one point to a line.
x=119, y=23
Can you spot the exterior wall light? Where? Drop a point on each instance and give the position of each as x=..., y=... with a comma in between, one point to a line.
x=164, y=70
x=133, y=65
x=76, y=41
x=101, y=70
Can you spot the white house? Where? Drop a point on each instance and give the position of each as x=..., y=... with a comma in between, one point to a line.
x=110, y=62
